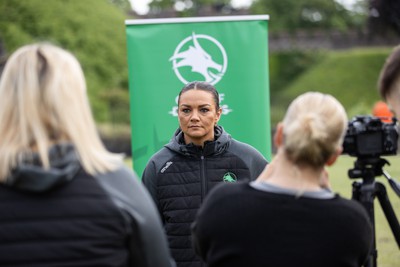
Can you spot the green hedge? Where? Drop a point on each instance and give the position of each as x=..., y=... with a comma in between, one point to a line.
x=93, y=30
x=351, y=76
x=284, y=68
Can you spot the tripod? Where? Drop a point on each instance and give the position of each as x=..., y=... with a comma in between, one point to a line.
x=365, y=192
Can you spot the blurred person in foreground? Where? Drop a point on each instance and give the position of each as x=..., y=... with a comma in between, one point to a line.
x=65, y=200
x=389, y=81
x=200, y=155
x=287, y=217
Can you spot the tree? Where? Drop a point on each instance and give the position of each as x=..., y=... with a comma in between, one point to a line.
x=384, y=17
x=286, y=15
x=124, y=5
x=292, y=15
x=185, y=8
x=92, y=30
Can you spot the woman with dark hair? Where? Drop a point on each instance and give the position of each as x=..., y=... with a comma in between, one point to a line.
x=199, y=156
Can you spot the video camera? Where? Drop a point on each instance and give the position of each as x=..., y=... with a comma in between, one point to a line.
x=369, y=137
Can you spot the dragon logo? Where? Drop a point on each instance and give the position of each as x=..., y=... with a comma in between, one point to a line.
x=229, y=177
x=191, y=58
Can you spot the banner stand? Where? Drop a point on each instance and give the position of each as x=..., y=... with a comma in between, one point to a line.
x=230, y=52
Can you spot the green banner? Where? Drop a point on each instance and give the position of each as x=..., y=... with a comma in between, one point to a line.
x=229, y=52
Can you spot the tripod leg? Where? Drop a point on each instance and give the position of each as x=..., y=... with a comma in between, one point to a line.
x=388, y=211
x=365, y=193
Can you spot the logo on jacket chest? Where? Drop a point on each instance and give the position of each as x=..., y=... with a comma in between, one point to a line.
x=229, y=177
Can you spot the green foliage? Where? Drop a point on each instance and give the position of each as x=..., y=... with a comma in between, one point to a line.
x=351, y=76
x=288, y=65
x=293, y=15
x=284, y=68
x=93, y=30
x=188, y=8
x=124, y=5
x=118, y=107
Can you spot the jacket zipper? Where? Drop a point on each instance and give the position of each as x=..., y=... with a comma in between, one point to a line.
x=203, y=184
x=202, y=178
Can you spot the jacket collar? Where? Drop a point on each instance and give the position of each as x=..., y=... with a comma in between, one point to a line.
x=29, y=175
x=219, y=145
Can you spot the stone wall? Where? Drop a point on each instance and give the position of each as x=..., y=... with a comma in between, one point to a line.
x=332, y=40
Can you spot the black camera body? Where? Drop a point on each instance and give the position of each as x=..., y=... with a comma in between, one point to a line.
x=369, y=137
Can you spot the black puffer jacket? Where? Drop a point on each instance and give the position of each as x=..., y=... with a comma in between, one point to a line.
x=179, y=176
x=66, y=217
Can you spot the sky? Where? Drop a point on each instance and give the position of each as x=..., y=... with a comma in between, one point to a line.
x=141, y=6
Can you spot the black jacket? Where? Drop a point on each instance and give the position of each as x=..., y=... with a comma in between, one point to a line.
x=179, y=176
x=244, y=226
x=66, y=217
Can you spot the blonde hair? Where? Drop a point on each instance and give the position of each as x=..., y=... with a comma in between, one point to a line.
x=313, y=129
x=43, y=101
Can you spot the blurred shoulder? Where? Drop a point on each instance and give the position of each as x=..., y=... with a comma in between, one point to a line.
x=350, y=207
x=120, y=178
x=241, y=147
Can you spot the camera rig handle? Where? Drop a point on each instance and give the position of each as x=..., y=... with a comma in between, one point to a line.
x=393, y=183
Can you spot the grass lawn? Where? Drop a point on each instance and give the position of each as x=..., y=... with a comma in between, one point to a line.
x=388, y=251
